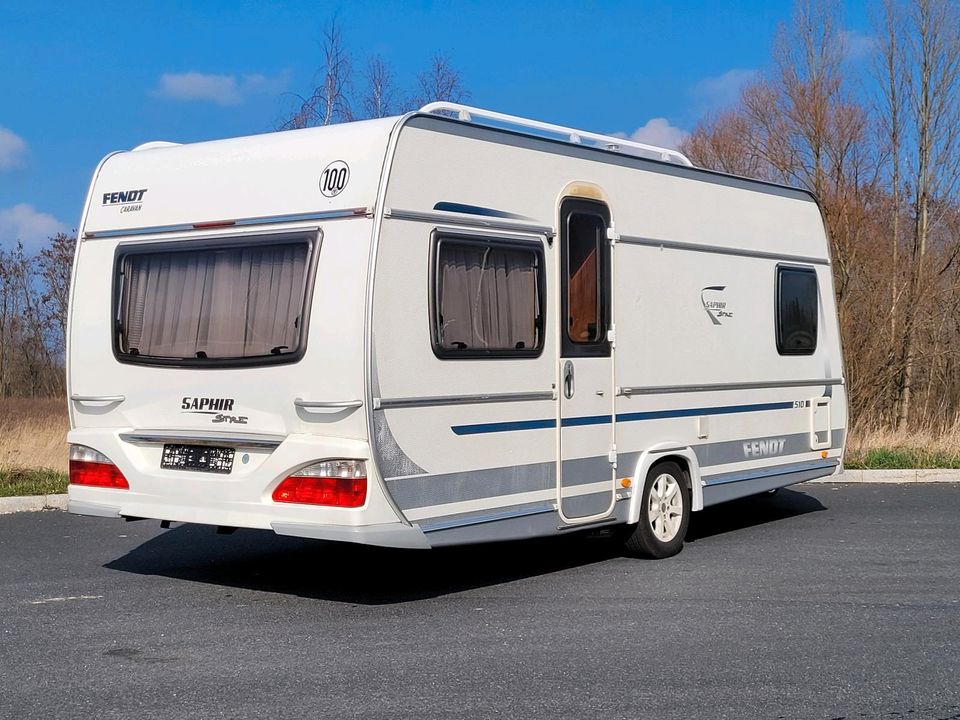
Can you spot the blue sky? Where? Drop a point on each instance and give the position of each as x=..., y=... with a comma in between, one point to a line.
x=78, y=80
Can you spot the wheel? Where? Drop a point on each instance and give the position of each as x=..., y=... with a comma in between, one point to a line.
x=664, y=513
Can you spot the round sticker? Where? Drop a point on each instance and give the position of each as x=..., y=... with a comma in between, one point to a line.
x=334, y=178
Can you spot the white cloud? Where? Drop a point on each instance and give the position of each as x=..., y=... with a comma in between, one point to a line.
x=722, y=90
x=857, y=45
x=25, y=223
x=13, y=149
x=659, y=132
x=223, y=90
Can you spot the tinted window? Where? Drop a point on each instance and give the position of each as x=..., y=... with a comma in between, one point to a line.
x=585, y=237
x=212, y=304
x=797, y=311
x=488, y=299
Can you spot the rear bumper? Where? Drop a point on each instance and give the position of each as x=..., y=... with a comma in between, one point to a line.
x=242, y=497
x=393, y=535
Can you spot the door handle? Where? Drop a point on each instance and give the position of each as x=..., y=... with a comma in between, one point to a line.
x=569, y=386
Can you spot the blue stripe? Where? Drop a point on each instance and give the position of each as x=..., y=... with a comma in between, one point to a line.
x=503, y=427
x=484, y=428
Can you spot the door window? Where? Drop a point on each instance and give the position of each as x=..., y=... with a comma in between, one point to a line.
x=586, y=279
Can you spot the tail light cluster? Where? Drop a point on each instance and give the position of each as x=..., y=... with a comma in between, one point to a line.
x=89, y=467
x=337, y=483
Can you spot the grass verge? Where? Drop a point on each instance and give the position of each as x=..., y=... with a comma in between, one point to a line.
x=917, y=449
x=31, y=481
x=903, y=458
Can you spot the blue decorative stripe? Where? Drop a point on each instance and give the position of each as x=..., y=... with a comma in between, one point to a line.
x=484, y=428
x=504, y=427
x=695, y=412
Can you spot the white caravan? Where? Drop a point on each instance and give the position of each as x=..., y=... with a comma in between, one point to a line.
x=449, y=327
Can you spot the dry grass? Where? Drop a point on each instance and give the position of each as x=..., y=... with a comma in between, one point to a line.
x=33, y=434
x=889, y=449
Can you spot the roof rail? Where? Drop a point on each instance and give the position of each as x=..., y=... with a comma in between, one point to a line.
x=567, y=134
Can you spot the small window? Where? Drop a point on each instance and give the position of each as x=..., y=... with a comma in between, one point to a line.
x=488, y=299
x=797, y=311
x=585, y=240
x=214, y=305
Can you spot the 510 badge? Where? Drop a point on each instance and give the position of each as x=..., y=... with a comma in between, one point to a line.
x=334, y=178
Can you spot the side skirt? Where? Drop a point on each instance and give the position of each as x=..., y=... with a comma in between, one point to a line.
x=720, y=488
x=509, y=524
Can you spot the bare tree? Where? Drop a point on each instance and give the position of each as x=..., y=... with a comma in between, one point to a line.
x=329, y=102
x=441, y=82
x=928, y=31
x=380, y=97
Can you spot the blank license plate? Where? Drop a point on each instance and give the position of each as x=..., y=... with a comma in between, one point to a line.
x=199, y=458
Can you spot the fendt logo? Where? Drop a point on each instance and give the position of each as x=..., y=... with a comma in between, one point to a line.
x=764, y=448
x=128, y=200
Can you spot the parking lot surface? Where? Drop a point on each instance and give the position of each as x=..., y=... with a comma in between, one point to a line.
x=825, y=601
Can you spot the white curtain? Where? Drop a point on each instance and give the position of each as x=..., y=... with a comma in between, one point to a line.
x=229, y=303
x=487, y=297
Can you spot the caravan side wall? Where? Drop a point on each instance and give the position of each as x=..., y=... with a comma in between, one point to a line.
x=465, y=466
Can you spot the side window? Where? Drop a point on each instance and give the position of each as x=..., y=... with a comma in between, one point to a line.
x=797, y=311
x=488, y=298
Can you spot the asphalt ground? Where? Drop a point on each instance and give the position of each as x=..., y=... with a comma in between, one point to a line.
x=820, y=602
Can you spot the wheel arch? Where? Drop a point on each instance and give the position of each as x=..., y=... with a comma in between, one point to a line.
x=684, y=456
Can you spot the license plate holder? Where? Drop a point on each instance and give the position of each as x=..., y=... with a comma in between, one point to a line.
x=198, y=458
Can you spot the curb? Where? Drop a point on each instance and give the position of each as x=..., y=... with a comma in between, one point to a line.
x=32, y=503
x=897, y=477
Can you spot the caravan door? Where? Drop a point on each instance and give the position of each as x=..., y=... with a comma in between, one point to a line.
x=585, y=484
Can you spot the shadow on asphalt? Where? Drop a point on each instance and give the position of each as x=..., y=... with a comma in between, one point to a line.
x=259, y=560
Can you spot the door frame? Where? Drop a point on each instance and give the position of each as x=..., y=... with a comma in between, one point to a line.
x=567, y=350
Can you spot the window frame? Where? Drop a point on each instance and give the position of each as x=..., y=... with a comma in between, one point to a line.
x=788, y=352
x=601, y=346
x=313, y=239
x=437, y=238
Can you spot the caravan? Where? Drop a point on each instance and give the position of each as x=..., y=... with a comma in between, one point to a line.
x=450, y=327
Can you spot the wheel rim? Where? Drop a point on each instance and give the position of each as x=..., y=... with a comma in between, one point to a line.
x=665, y=507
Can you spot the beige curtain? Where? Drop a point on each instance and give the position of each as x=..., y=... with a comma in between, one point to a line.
x=487, y=297
x=230, y=303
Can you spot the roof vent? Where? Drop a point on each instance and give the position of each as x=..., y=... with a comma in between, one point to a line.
x=154, y=144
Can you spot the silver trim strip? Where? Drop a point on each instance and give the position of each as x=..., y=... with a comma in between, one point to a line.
x=466, y=220
x=430, y=527
x=411, y=402
x=98, y=398
x=243, y=222
x=696, y=247
x=334, y=404
x=251, y=440
x=667, y=389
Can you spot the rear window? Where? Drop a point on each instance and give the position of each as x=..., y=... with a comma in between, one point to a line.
x=213, y=305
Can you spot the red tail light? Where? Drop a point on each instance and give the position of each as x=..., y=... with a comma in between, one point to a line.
x=89, y=467
x=336, y=483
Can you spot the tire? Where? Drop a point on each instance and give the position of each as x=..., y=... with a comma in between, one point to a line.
x=662, y=528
